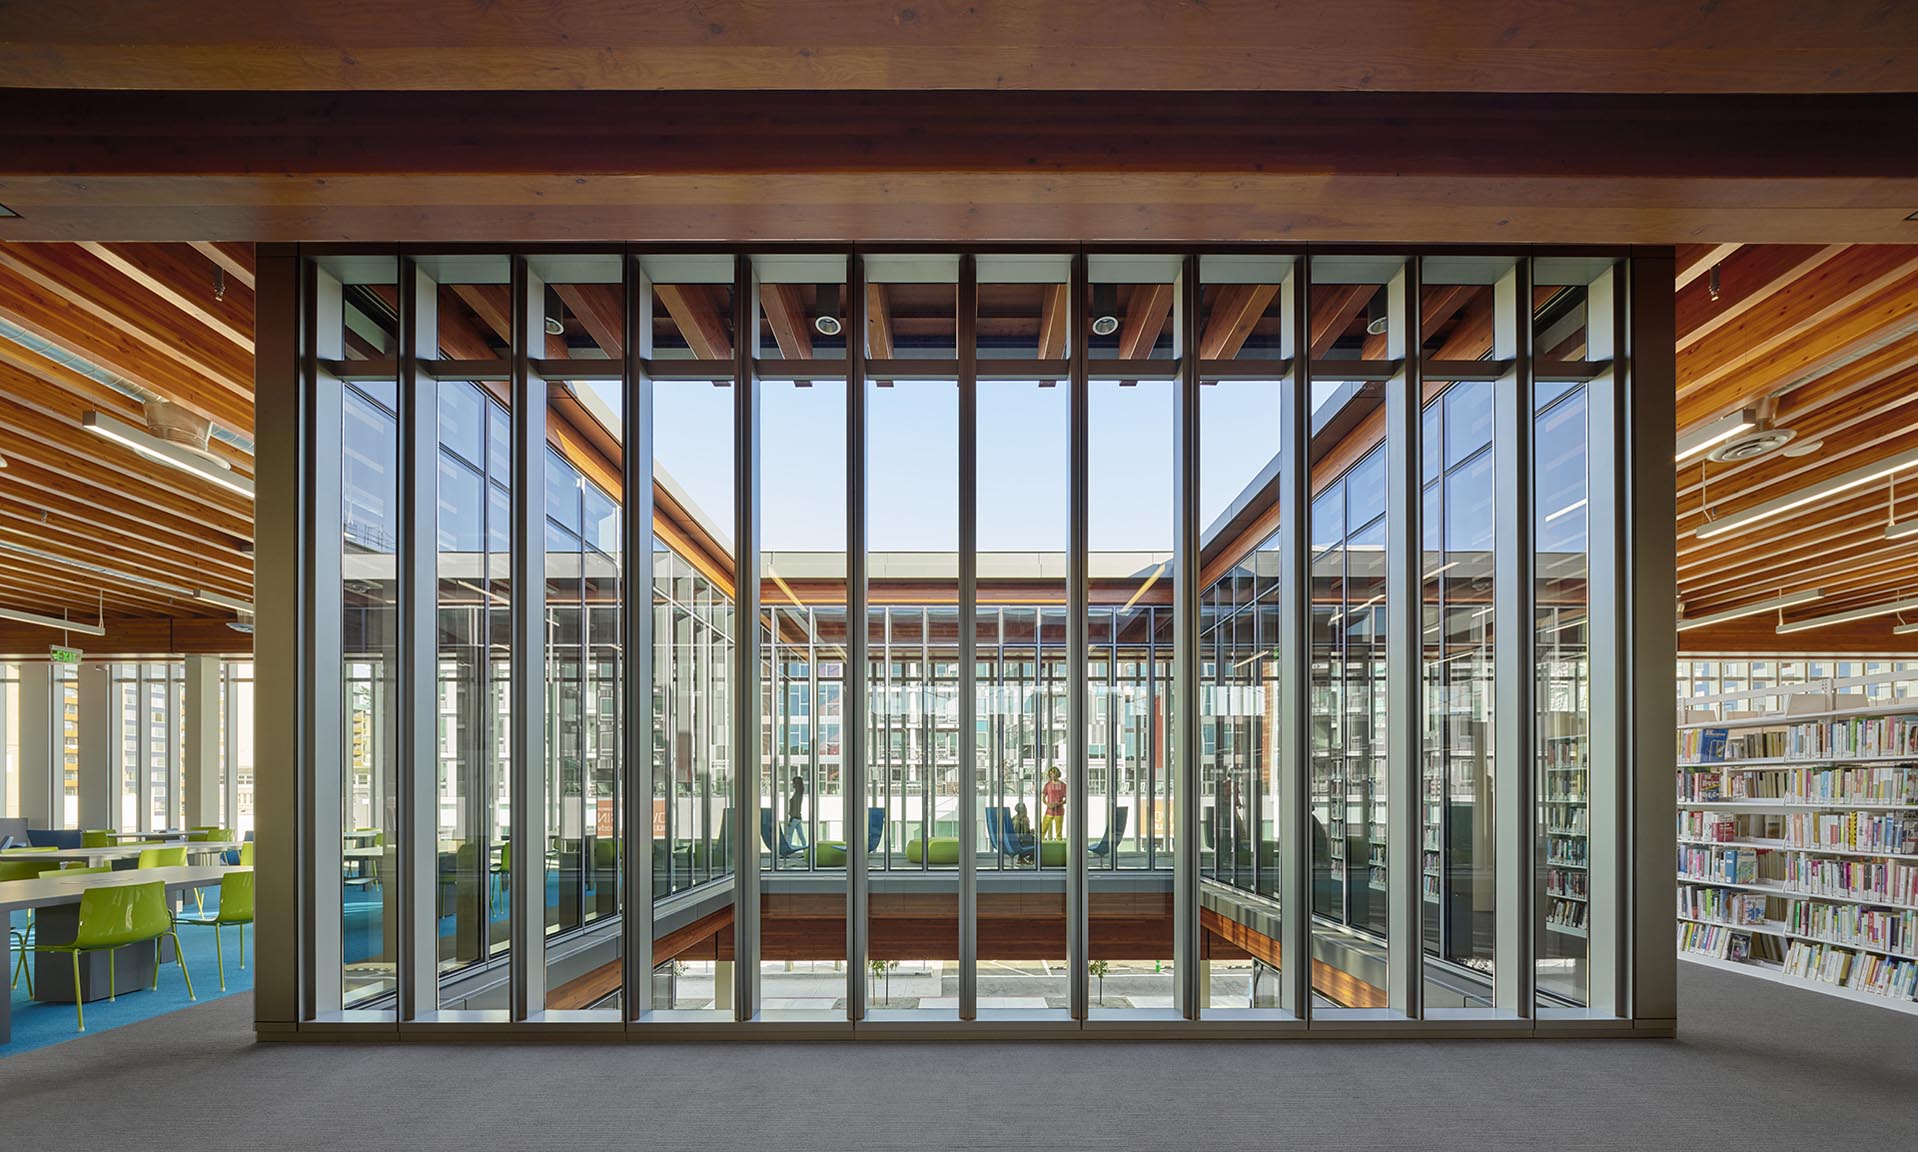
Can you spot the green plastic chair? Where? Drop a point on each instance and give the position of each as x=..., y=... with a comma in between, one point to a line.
x=22, y=938
x=246, y=854
x=236, y=908
x=85, y=870
x=162, y=858
x=115, y=916
x=97, y=838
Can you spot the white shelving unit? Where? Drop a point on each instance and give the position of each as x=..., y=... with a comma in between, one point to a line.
x=1803, y=870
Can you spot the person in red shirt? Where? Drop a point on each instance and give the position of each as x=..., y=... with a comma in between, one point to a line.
x=1053, y=823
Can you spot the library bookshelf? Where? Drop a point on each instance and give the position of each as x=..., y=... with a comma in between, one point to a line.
x=1798, y=848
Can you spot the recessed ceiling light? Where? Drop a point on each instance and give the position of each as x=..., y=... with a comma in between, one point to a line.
x=555, y=326
x=826, y=325
x=1376, y=326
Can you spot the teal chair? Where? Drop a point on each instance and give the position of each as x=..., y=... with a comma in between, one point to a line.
x=22, y=938
x=236, y=908
x=113, y=917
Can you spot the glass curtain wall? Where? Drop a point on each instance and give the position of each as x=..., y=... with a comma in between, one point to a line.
x=1388, y=842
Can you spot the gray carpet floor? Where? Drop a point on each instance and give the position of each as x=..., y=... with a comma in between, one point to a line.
x=1757, y=1065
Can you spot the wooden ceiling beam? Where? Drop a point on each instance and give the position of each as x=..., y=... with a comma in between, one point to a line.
x=67, y=539
x=1148, y=307
x=785, y=311
x=1055, y=319
x=1333, y=308
x=601, y=309
x=879, y=344
x=1884, y=412
x=1236, y=311
x=695, y=309
x=186, y=279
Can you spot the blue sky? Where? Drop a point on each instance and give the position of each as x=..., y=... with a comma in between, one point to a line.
x=912, y=461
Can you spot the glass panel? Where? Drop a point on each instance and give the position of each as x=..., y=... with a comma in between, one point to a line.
x=1023, y=495
x=370, y=499
x=1563, y=697
x=1239, y=693
x=912, y=453
x=1131, y=484
x=1458, y=850
x=806, y=823
x=692, y=781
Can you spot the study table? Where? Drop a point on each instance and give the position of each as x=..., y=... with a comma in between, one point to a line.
x=56, y=899
x=95, y=856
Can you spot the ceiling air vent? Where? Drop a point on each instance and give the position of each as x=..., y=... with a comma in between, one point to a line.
x=181, y=429
x=1751, y=445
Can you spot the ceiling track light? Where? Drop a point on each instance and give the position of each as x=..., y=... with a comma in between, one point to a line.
x=1849, y=617
x=1857, y=478
x=161, y=452
x=1755, y=608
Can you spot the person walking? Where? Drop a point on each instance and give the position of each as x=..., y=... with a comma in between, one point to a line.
x=1053, y=795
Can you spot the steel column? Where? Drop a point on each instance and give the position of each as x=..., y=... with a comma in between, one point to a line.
x=1295, y=657
x=745, y=688
x=418, y=636
x=1078, y=690
x=320, y=832
x=855, y=721
x=1186, y=447
x=527, y=788
x=1517, y=879
x=1404, y=647
x=1644, y=985
x=637, y=642
x=968, y=348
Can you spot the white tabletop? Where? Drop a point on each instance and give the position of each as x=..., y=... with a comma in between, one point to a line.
x=121, y=852
x=53, y=888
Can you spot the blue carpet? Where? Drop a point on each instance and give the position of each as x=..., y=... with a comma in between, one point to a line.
x=36, y=1025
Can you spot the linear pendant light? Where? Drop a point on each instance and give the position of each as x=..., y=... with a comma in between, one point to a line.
x=1840, y=483
x=1788, y=601
x=1865, y=613
x=1905, y=630
x=52, y=622
x=156, y=449
x=1902, y=528
x=1713, y=434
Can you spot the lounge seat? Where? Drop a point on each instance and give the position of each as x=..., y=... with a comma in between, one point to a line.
x=945, y=850
x=832, y=853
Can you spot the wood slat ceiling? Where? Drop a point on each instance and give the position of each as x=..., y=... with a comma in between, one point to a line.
x=91, y=530
x=1825, y=335
x=1829, y=337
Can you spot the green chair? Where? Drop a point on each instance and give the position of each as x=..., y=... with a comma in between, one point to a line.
x=97, y=838
x=246, y=854
x=23, y=937
x=162, y=858
x=85, y=870
x=206, y=835
x=236, y=908
x=115, y=916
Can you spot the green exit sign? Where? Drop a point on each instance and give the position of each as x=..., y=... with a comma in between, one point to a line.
x=64, y=655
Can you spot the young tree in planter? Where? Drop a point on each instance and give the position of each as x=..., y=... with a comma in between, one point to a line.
x=1097, y=970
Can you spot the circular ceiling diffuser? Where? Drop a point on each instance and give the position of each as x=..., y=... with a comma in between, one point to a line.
x=1751, y=445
